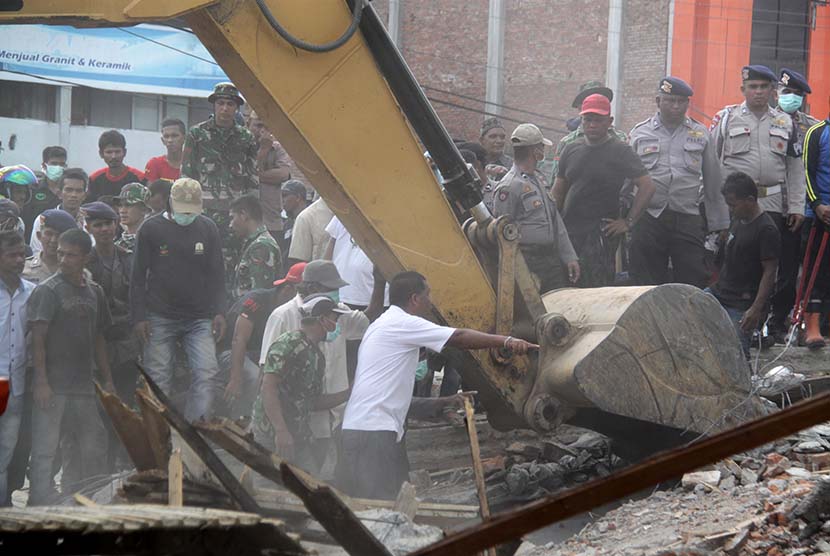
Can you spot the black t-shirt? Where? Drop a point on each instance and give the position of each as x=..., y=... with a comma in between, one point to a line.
x=76, y=314
x=102, y=183
x=42, y=199
x=748, y=244
x=256, y=306
x=596, y=174
x=178, y=271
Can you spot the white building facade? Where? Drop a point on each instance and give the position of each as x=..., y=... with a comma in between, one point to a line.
x=66, y=86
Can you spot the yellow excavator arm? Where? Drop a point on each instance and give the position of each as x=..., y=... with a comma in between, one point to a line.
x=354, y=120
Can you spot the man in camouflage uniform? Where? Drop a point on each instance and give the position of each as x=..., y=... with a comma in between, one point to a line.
x=221, y=156
x=132, y=210
x=549, y=167
x=292, y=384
x=260, y=261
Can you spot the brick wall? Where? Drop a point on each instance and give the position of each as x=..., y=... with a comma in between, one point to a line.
x=645, y=25
x=445, y=44
x=551, y=47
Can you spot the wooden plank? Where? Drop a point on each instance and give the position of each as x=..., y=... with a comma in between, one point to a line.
x=83, y=500
x=478, y=469
x=322, y=501
x=153, y=530
x=129, y=426
x=156, y=428
x=661, y=467
x=175, y=489
x=407, y=503
x=248, y=452
x=192, y=438
x=333, y=514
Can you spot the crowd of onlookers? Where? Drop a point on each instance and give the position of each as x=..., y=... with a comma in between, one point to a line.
x=240, y=294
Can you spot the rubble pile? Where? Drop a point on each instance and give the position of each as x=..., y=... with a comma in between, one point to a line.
x=773, y=501
x=530, y=468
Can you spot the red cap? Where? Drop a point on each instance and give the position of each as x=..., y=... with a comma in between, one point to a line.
x=596, y=104
x=293, y=276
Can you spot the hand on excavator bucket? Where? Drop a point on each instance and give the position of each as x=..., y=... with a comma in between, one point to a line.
x=4, y=394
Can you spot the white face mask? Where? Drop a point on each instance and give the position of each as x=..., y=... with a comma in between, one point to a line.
x=54, y=172
x=184, y=218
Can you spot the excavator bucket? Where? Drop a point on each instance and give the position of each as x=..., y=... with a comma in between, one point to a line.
x=667, y=355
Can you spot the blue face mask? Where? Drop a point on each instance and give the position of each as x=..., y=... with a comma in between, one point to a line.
x=790, y=102
x=421, y=370
x=184, y=218
x=334, y=334
x=334, y=295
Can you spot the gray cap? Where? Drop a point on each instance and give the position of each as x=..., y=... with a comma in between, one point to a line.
x=324, y=273
x=296, y=187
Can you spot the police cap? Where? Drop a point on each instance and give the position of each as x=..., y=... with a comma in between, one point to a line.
x=98, y=211
x=794, y=80
x=758, y=72
x=674, y=86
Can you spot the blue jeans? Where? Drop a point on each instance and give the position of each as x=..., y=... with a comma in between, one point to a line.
x=9, y=427
x=159, y=355
x=735, y=315
x=75, y=416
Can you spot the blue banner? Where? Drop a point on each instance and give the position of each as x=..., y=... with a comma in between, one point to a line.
x=141, y=59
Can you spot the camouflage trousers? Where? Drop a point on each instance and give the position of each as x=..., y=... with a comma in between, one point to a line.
x=231, y=245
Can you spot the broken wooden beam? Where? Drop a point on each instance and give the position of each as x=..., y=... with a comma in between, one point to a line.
x=661, y=467
x=333, y=514
x=130, y=428
x=478, y=470
x=175, y=475
x=244, y=449
x=321, y=500
x=155, y=427
x=196, y=443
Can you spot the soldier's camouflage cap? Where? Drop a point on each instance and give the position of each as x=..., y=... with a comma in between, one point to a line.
x=591, y=88
x=226, y=90
x=132, y=194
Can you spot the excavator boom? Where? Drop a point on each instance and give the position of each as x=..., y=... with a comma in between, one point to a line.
x=356, y=123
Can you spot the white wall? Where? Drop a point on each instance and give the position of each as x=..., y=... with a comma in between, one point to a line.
x=83, y=147
x=34, y=135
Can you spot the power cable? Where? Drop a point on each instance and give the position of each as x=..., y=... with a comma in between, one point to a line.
x=506, y=107
x=357, y=12
x=173, y=48
x=486, y=113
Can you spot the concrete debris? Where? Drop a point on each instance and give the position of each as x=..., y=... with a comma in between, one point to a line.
x=705, y=478
x=397, y=532
x=773, y=501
